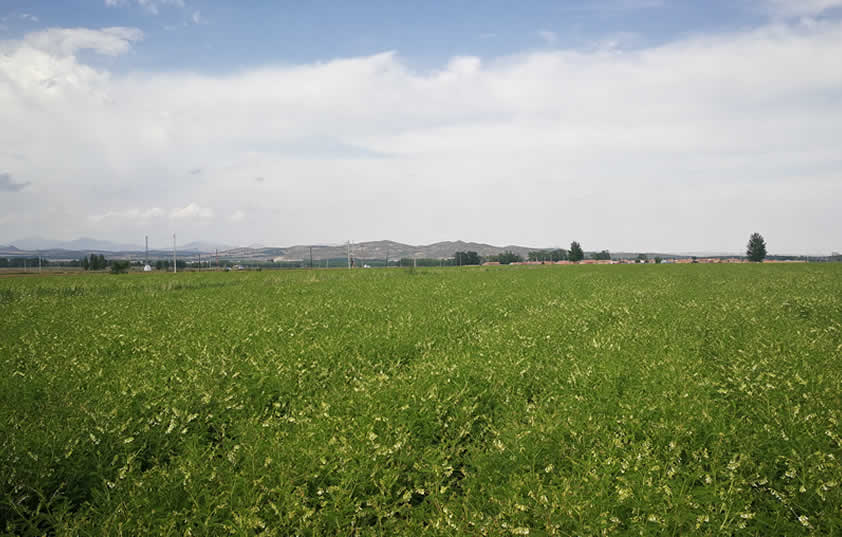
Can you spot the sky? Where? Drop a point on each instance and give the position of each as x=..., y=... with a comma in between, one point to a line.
x=628, y=125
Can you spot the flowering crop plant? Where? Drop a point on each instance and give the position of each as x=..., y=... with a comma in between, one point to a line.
x=533, y=400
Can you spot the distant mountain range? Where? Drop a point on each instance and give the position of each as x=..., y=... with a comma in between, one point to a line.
x=362, y=250
x=395, y=250
x=87, y=243
x=83, y=243
x=75, y=249
x=371, y=249
x=206, y=247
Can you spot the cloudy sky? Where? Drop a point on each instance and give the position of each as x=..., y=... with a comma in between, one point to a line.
x=658, y=125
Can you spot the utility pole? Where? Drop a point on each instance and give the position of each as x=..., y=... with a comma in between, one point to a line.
x=174, y=264
x=349, y=254
x=311, y=257
x=387, y=256
x=39, y=262
x=216, y=258
x=146, y=258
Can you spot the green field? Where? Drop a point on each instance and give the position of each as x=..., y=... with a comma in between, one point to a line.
x=557, y=400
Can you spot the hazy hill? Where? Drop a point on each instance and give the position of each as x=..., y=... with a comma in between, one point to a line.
x=75, y=249
x=394, y=250
x=206, y=247
x=82, y=243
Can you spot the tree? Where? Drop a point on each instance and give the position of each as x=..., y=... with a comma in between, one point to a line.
x=603, y=255
x=119, y=267
x=467, y=258
x=659, y=260
x=576, y=253
x=642, y=258
x=93, y=262
x=558, y=254
x=756, y=249
x=508, y=257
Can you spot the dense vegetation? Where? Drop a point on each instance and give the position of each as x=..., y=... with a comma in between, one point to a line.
x=756, y=248
x=545, y=400
x=21, y=262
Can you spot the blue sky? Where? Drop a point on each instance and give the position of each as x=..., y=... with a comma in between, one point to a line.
x=664, y=125
x=237, y=35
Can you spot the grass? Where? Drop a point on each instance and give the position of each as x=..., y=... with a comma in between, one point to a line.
x=585, y=400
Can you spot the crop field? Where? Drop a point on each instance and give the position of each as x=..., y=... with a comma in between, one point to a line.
x=578, y=400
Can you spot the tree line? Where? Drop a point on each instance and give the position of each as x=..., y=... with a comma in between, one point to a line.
x=755, y=251
x=20, y=262
x=575, y=253
x=93, y=262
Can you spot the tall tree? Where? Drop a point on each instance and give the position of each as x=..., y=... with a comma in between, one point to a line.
x=120, y=267
x=756, y=249
x=559, y=254
x=576, y=253
x=467, y=258
x=509, y=257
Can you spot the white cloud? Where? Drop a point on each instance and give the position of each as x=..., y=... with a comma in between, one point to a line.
x=654, y=148
x=800, y=8
x=28, y=17
x=7, y=184
x=197, y=17
x=151, y=6
x=237, y=216
x=549, y=37
x=128, y=214
x=61, y=42
x=191, y=211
